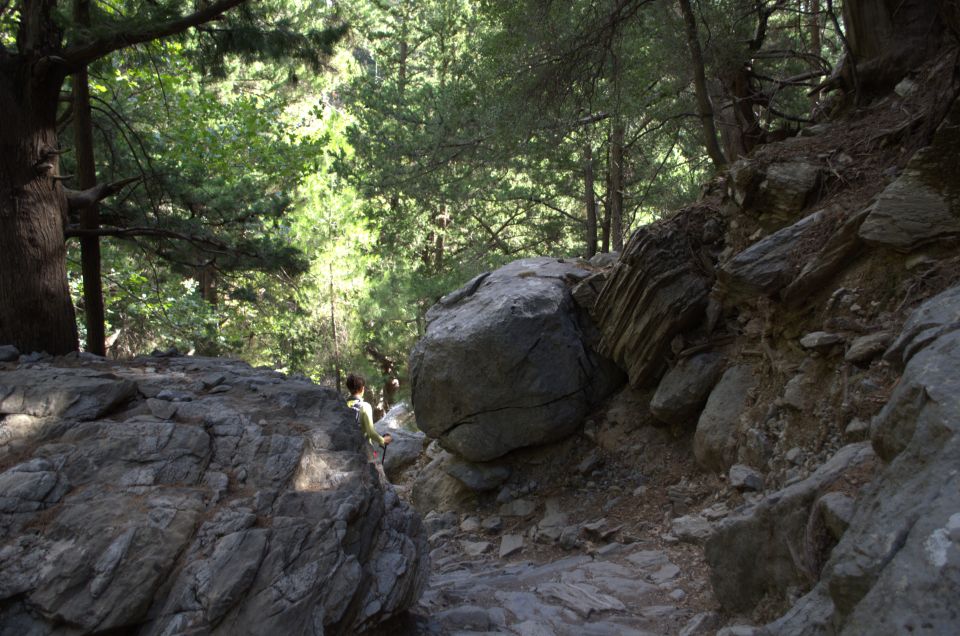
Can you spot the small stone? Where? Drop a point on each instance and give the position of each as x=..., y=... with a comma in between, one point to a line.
x=611, y=505
x=441, y=535
x=691, y=528
x=211, y=380
x=592, y=461
x=953, y=527
x=492, y=524
x=667, y=572
x=475, y=548
x=505, y=495
x=223, y=388
x=161, y=408
x=820, y=340
x=745, y=478
x=794, y=455
x=470, y=524
x=702, y=624
x=510, y=544
x=866, y=348
x=9, y=353
x=639, y=491
x=568, y=538
x=36, y=356
x=715, y=512
x=171, y=395
x=678, y=595
x=518, y=508
x=857, y=430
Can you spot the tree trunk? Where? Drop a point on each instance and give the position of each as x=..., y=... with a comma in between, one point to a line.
x=442, y=221
x=89, y=216
x=704, y=107
x=36, y=312
x=887, y=39
x=589, y=199
x=207, y=275
x=816, y=42
x=334, y=334
x=615, y=195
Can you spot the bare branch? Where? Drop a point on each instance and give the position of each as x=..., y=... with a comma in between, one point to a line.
x=80, y=199
x=83, y=54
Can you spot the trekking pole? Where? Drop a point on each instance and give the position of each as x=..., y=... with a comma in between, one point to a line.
x=383, y=457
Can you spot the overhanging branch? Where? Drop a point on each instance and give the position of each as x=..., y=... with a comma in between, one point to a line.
x=80, y=199
x=83, y=54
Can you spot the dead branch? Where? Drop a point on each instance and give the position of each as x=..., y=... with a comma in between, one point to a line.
x=80, y=199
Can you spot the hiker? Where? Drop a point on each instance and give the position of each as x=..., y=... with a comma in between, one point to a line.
x=356, y=385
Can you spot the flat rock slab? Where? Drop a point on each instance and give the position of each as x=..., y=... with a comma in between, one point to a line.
x=615, y=594
x=81, y=394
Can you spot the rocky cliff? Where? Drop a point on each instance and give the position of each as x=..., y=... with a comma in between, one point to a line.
x=174, y=495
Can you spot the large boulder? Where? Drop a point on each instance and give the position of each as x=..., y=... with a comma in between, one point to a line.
x=897, y=568
x=247, y=506
x=507, y=362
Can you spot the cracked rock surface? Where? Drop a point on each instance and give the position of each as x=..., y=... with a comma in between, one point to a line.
x=192, y=495
x=516, y=328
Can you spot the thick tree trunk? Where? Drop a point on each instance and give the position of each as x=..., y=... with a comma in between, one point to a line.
x=90, y=215
x=704, y=107
x=589, y=199
x=887, y=39
x=36, y=313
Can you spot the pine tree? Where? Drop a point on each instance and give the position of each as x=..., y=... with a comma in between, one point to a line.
x=42, y=42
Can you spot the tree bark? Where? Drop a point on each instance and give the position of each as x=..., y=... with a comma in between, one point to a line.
x=589, y=199
x=704, y=107
x=36, y=312
x=90, y=215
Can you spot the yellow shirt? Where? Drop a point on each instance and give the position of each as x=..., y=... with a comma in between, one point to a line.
x=366, y=420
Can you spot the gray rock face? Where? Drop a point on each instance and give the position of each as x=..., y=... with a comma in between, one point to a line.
x=42, y=391
x=655, y=291
x=778, y=192
x=479, y=477
x=685, y=388
x=245, y=513
x=509, y=364
x=773, y=262
x=765, y=548
x=904, y=526
x=923, y=205
x=715, y=441
x=436, y=489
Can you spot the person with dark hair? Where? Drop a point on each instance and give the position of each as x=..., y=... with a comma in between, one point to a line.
x=356, y=385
